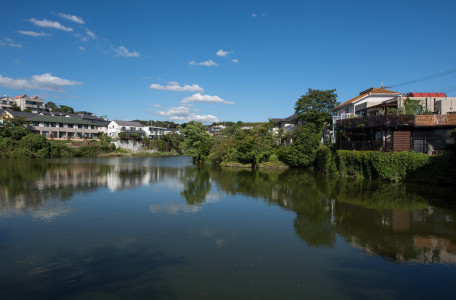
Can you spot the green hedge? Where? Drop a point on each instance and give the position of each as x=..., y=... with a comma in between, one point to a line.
x=394, y=166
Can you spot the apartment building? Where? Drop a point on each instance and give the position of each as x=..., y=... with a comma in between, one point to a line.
x=63, y=127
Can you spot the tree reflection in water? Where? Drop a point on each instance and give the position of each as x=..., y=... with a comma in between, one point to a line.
x=397, y=221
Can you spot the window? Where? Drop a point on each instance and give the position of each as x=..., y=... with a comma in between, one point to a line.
x=70, y=125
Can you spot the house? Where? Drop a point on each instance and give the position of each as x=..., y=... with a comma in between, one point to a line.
x=287, y=124
x=6, y=102
x=34, y=104
x=128, y=127
x=153, y=132
x=11, y=114
x=376, y=120
x=59, y=127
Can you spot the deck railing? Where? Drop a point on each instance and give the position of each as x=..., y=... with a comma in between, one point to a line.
x=402, y=120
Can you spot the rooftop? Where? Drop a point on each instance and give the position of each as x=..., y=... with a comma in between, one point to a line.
x=366, y=93
x=128, y=123
x=65, y=120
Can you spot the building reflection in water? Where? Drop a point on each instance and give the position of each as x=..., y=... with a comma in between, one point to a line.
x=391, y=220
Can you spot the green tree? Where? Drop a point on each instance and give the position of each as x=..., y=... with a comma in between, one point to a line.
x=315, y=107
x=66, y=109
x=14, y=107
x=52, y=106
x=197, y=142
x=302, y=152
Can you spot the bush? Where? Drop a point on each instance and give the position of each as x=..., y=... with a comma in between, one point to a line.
x=394, y=166
x=325, y=160
x=33, y=142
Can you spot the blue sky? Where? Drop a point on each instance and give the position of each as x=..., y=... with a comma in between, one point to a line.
x=220, y=60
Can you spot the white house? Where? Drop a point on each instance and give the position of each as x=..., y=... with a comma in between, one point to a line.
x=366, y=99
x=154, y=133
x=127, y=127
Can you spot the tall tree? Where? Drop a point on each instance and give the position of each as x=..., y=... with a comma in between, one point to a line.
x=52, y=106
x=315, y=107
x=197, y=142
x=66, y=109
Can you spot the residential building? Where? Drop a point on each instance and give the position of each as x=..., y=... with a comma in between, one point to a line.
x=437, y=103
x=153, y=132
x=11, y=114
x=128, y=127
x=287, y=124
x=6, y=102
x=376, y=120
x=35, y=104
x=63, y=127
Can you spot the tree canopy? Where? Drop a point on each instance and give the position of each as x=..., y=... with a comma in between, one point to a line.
x=198, y=141
x=315, y=106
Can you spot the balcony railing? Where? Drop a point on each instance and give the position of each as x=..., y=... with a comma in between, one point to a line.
x=402, y=120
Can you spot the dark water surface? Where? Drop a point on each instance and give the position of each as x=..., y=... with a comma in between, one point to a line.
x=162, y=228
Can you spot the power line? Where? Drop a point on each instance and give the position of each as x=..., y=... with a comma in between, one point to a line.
x=444, y=73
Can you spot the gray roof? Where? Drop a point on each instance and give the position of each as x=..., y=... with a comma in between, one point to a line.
x=129, y=123
x=17, y=114
x=291, y=118
x=65, y=120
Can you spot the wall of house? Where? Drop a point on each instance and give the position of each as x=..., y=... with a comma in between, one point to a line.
x=431, y=103
x=446, y=106
x=65, y=131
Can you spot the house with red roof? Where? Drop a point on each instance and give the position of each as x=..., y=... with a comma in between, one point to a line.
x=377, y=119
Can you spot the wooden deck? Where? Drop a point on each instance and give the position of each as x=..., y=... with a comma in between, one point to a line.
x=398, y=120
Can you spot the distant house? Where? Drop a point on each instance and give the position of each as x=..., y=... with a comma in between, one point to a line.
x=128, y=127
x=6, y=102
x=376, y=120
x=153, y=132
x=11, y=114
x=34, y=104
x=63, y=127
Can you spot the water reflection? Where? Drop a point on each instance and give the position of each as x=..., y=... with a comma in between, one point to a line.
x=398, y=222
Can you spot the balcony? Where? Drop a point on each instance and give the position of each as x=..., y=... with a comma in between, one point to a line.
x=402, y=120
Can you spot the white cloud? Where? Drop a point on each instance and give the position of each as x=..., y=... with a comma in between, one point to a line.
x=198, y=118
x=207, y=63
x=174, y=86
x=50, y=24
x=15, y=45
x=173, y=82
x=236, y=61
x=123, y=51
x=175, y=111
x=9, y=42
x=33, y=33
x=222, y=53
x=182, y=113
x=81, y=48
x=90, y=34
x=75, y=19
x=253, y=15
x=156, y=105
x=205, y=99
x=45, y=82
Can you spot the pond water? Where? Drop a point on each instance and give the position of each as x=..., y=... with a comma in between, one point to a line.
x=163, y=228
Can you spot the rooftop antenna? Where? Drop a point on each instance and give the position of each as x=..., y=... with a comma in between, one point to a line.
x=384, y=86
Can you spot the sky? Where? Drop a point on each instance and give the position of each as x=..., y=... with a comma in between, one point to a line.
x=213, y=61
